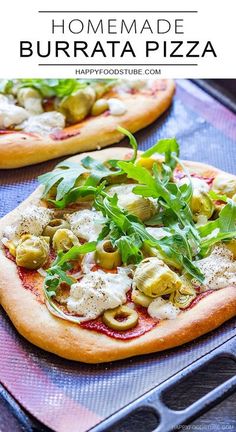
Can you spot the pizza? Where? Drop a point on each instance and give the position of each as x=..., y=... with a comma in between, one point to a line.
x=42, y=119
x=121, y=253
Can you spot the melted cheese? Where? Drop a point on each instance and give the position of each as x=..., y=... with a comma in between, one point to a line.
x=116, y=107
x=219, y=269
x=32, y=221
x=86, y=224
x=97, y=292
x=45, y=123
x=162, y=309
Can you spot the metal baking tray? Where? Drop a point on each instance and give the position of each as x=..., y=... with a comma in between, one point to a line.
x=65, y=395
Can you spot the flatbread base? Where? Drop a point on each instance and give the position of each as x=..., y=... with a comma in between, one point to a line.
x=33, y=320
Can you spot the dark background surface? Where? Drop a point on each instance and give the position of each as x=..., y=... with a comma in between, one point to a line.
x=206, y=132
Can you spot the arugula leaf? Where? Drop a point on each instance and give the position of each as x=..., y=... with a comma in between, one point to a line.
x=63, y=177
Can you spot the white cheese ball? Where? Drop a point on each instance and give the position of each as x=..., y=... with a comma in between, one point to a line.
x=162, y=309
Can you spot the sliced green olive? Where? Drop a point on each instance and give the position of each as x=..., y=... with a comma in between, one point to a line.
x=32, y=252
x=120, y=318
x=55, y=225
x=201, y=204
x=141, y=299
x=107, y=256
x=99, y=107
x=64, y=239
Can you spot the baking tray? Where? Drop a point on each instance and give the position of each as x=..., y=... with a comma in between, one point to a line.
x=69, y=396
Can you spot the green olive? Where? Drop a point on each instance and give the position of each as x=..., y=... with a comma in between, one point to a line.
x=55, y=225
x=107, y=256
x=99, y=107
x=64, y=239
x=201, y=204
x=120, y=318
x=78, y=105
x=141, y=299
x=32, y=252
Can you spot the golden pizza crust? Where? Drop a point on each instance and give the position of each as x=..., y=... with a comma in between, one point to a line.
x=33, y=320
x=20, y=149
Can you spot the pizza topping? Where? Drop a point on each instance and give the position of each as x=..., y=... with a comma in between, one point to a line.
x=64, y=239
x=33, y=220
x=140, y=298
x=107, y=256
x=116, y=107
x=86, y=224
x=11, y=115
x=45, y=123
x=99, y=107
x=97, y=292
x=30, y=99
x=32, y=252
x=78, y=105
x=121, y=318
x=54, y=225
x=224, y=184
x=154, y=278
x=45, y=106
x=141, y=207
x=162, y=309
x=219, y=269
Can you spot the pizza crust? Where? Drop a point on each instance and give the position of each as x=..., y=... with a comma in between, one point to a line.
x=33, y=320
x=21, y=149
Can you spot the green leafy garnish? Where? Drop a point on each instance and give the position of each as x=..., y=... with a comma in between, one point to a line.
x=63, y=177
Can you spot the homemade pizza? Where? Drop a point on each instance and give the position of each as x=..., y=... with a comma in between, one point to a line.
x=41, y=119
x=120, y=253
